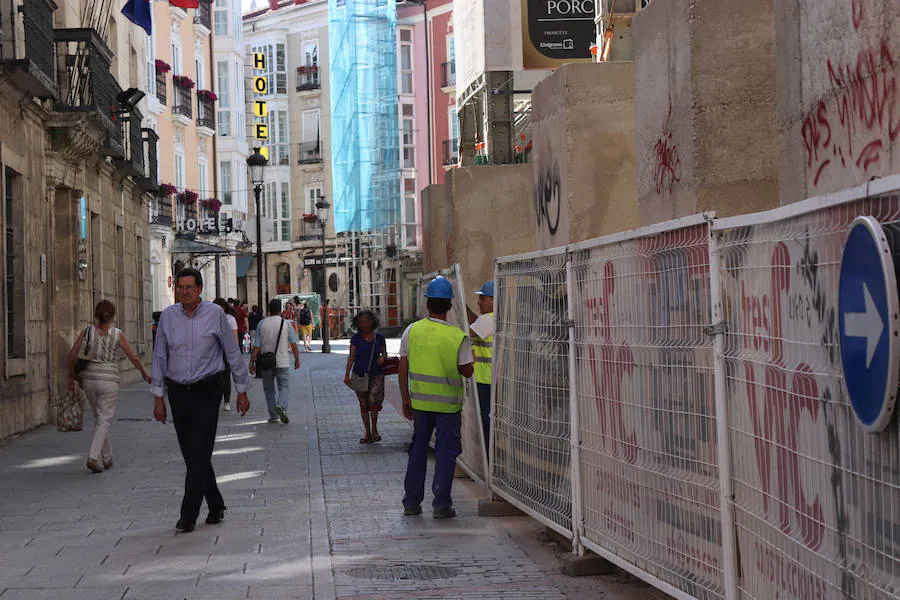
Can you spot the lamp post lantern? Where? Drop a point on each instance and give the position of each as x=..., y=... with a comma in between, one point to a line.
x=257, y=163
x=322, y=210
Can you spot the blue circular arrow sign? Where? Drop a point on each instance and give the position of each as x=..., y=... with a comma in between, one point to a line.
x=869, y=323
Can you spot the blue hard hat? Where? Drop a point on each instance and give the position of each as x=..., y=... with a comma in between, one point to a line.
x=439, y=288
x=487, y=289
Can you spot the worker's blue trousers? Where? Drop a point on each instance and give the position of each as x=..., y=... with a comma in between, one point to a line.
x=446, y=448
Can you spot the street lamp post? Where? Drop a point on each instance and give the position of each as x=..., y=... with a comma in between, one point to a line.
x=257, y=163
x=322, y=208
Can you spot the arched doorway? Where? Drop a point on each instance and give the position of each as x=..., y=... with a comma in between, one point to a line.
x=283, y=279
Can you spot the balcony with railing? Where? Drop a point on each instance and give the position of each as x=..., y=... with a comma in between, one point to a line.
x=310, y=153
x=182, y=107
x=206, y=112
x=308, y=78
x=161, y=211
x=310, y=229
x=203, y=17
x=448, y=75
x=451, y=152
x=132, y=161
x=161, y=88
x=149, y=180
x=27, y=49
x=86, y=84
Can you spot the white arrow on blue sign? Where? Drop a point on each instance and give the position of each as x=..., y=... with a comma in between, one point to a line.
x=869, y=323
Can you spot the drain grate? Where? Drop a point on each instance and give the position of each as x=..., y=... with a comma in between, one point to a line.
x=404, y=572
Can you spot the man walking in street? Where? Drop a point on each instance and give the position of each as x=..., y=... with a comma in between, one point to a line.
x=277, y=336
x=191, y=340
x=434, y=357
x=482, y=329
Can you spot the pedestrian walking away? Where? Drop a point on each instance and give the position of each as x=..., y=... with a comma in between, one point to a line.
x=482, y=329
x=254, y=318
x=434, y=358
x=305, y=325
x=192, y=339
x=276, y=335
x=230, y=313
x=368, y=349
x=98, y=348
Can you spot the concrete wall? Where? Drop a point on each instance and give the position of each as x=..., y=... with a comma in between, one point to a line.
x=838, y=105
x=705, y=108
x=434, y=228
x=584, y=154
x=486, y=215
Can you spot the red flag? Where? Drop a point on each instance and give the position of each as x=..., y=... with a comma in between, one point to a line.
x=185, y=3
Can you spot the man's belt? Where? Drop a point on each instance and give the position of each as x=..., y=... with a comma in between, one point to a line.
x=206, y=382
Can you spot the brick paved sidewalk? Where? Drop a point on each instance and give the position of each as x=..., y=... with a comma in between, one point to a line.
x=311, y=514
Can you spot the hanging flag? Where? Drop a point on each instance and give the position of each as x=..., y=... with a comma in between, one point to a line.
x=185, y=3
x=138, y=12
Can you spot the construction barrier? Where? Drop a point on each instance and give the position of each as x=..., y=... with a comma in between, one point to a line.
x=673, y=399
x=473, y=459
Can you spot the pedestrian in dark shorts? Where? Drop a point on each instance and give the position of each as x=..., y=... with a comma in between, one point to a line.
x=368, y=349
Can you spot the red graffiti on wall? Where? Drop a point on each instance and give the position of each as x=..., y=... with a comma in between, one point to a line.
x=865, y=101
x=668, y=164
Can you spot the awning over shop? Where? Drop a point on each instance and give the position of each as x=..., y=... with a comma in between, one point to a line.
x=243, y=264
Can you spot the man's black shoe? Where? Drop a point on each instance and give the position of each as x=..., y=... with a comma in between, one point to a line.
x=184, y=526
x=411, y=511
x=444, y=513
x=215, y=516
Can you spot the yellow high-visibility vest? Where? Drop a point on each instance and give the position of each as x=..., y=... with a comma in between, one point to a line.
x=435, y=384
x=483, y=349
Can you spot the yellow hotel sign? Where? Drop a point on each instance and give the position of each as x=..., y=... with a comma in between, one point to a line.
x=261, y=84
x=261, y=131
x=259, y=61
x=260, y=108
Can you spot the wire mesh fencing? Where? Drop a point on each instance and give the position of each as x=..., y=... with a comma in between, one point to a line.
x=530, y=425
x=673, y=398
x=473, y=459
x=817, y=499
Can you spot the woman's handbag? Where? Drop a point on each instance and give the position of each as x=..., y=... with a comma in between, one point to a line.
x=84, y=354
x=70, y=410
x=360, y=383
x=391, y=365
x=268, y=360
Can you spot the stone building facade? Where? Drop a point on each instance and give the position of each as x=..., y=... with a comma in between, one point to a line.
x=75, y=176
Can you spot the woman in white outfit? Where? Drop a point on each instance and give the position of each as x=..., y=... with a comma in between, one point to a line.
x=100, y=379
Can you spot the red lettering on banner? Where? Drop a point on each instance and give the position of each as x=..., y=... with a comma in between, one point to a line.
x=795, y=581
x=762, y=315
x=696, y=559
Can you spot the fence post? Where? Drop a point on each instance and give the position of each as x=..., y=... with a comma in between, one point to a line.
x=488, y=473
x=723, y=441
x=574, y=433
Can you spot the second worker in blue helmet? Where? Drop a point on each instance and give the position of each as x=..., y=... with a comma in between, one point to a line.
x=434, y=358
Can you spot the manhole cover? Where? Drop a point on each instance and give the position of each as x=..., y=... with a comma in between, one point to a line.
x=404, y=572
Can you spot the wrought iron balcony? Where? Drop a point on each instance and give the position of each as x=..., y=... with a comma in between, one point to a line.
x=203, y=15
x=149, y=180
x=161, y=211
x=451, y=152
x=86, y=84
x=206, y=112
x=132, y=161
x=182, y=105
x=27, y=50
x=310, y=153
x=448, y=74
x=310, y=230
x=308, y=78
x=161, y=88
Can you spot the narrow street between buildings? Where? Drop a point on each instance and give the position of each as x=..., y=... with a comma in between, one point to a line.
x=312, y=513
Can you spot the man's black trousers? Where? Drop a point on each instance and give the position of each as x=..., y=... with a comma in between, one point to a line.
x=195, y=413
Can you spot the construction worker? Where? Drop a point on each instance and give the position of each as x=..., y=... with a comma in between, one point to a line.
x=434, y=358
x=482, y=329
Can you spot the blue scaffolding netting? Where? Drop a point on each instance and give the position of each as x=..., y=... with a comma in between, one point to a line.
x=365, y=155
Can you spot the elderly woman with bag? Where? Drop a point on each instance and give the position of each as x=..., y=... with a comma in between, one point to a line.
x=94, y=361
x=364, y=375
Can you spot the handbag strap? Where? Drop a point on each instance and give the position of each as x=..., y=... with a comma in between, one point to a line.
x=372, y=355
x=278, y=340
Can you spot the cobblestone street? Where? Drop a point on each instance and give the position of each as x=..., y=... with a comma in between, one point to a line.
x=312, y=513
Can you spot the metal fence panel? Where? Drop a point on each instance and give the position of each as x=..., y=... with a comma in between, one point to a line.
x=530, y=462
x=645, y=396
x=473, y=459
x=817, y=500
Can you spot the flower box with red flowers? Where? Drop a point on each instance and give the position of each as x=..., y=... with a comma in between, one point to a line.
x=308, y=69
x=162, y=66
x=183, y=81
x=187, y=197
x=212, y=204
x=166, y=189
x=207, y=95
x=310, y=218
